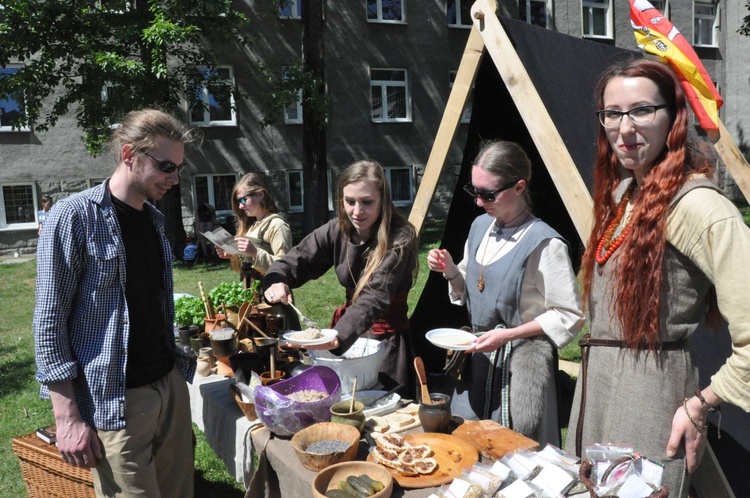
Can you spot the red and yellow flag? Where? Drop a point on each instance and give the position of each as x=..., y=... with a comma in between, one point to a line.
x=656, y=35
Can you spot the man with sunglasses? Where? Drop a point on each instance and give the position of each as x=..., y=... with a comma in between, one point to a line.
x=104, y=339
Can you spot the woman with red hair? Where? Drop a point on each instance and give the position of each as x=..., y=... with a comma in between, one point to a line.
x=666, y=246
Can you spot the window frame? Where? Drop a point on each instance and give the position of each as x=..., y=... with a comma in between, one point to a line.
x=590, y=5
x=296, y=105
x=211, y=191
x=21, y=106
x=295, y=208
x=295, y=9
x=379, y=19
x=27, y=225
x=384, y=85
x=388, y=174
x=206, y=98
x=548, y=10
x=461, y=23
x=713, y=19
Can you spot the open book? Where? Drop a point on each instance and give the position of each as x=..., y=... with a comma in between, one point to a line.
x=221, y=238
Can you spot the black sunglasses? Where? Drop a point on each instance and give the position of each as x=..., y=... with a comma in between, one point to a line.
x=166, y=166
x=488, y=195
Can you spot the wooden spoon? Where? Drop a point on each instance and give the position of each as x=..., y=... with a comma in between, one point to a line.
x=354, y=391
x=422, y=376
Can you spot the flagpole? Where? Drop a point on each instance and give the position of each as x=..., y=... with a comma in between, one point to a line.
x=734, y=160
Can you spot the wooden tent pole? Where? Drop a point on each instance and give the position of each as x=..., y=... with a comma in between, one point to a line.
x=734, y=160
x=459, y=95
x=551, y=147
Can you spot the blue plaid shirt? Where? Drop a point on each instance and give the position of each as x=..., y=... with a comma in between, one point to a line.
x=81, y=323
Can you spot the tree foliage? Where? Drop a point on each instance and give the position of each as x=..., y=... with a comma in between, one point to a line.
x=101, y=59
x=745, y=28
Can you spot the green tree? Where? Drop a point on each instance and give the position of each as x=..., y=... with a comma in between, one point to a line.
x=139, y=53
x=307, y=77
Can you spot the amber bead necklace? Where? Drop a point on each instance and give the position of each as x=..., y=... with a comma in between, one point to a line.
x=608, y=244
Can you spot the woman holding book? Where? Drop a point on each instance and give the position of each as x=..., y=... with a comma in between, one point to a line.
x=264, y=236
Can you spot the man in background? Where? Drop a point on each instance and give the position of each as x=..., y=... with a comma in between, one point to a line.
x=104, y=340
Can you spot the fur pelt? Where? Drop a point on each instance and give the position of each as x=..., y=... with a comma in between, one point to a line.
x=529, y=367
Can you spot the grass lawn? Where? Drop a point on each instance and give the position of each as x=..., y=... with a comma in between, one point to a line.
x=21, y=410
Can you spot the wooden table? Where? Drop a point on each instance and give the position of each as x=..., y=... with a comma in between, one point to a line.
x=234, y=439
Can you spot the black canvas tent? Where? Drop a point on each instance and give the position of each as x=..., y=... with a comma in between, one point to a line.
x=564, y=71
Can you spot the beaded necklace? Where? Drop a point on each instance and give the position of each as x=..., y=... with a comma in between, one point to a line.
x=608, y=244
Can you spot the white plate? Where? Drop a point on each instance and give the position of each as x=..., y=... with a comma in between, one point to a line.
x=456, y=339
x=385, y=405
x=328, y=336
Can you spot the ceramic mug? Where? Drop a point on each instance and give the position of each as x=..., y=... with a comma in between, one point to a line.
x=356, y=418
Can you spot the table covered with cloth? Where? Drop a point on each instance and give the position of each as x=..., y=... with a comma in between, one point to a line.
x=235, y=440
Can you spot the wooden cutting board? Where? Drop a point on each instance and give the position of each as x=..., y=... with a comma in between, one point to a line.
x=493, y=440
x=451, y=453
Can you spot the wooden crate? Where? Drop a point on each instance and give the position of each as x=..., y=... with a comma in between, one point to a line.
x=46, y=475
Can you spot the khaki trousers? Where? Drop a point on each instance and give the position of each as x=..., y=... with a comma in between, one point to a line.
x=153, y=456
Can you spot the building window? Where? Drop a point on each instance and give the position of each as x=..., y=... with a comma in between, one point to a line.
x=389, y=89
x=597, y=18
x=385, y=11
x=11, y=107
x=706, y=24
x=115, y=6
x=290, y=9
x=215, y=190
x=295, y=190
x=215, y=102
x=662, y=6
x=111, y=94
x=534, y=12
x=400, y=179
x=458, y=13
x=466, y=115
x=293, y=111
x=18, y=206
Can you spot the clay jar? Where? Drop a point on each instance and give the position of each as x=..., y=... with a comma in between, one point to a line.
x=436, y=417
x=267, y=379
x=203, y=367
x=356, y=418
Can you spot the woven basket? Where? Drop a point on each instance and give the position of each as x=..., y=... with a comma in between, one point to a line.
x=247, y=408
x=46, y=475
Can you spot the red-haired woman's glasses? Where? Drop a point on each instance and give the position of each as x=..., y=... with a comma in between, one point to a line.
x=639, y=116
x=487, y=195
x=166, y=166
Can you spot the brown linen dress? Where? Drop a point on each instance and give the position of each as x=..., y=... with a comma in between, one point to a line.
x=633, y=395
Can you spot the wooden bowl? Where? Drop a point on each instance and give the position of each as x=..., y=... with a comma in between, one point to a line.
x=329, y=477
x=323, y=431
x=247, y=408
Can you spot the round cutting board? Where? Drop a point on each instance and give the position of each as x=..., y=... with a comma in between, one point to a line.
x=451, y=453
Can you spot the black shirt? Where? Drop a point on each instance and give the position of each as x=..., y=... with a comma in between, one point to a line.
x=149, y=359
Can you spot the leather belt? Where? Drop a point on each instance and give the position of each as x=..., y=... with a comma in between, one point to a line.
x=586, y=342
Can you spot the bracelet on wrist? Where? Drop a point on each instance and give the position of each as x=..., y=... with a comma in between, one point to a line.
x=451, y=278
x=699, y=427
x=711, y=408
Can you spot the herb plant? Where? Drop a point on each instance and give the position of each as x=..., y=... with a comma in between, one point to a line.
x=189, y=310
x=230, y=294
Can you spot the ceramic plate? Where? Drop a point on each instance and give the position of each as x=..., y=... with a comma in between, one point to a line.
x=385, y=405
x=456, y=339
x=295, y=337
